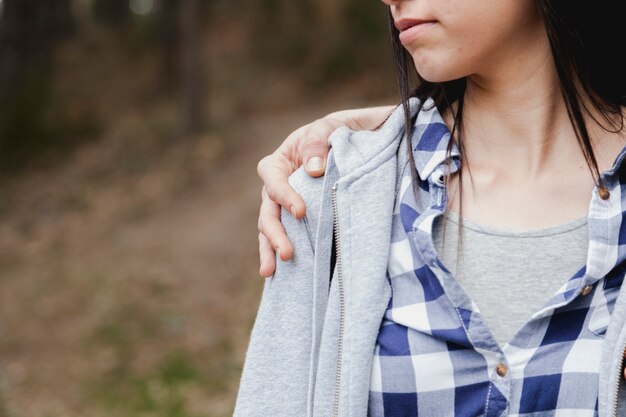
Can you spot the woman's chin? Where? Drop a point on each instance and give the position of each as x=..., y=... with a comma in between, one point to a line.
x=434, y=73
x=435, y=76
x=436, y=70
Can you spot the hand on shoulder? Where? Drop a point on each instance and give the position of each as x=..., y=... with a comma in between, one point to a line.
x=306, y=145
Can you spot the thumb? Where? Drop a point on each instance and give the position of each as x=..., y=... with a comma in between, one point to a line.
x=314, y=154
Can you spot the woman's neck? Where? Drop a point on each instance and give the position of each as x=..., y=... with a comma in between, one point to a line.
x=523, y=128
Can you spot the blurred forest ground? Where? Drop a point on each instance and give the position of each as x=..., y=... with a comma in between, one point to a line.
x=129, y=137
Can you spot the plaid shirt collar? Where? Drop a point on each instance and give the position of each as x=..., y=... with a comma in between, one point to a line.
x=431, y=138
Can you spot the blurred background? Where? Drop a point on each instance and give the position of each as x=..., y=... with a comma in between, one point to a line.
x=130, y=131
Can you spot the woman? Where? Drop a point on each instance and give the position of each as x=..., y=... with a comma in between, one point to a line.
x=521, y=102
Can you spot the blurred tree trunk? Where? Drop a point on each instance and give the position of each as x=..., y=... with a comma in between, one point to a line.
x=115, y=13
x=168, y=24
x=61, y=18
x=28, y=31
x=193, y=76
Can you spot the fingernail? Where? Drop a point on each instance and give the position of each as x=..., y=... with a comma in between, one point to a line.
x=315, y=164
x=278, y=252
x=292, y=208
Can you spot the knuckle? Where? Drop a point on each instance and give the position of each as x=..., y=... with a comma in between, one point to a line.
x=316, y=146
x=274, y=243
x=271, y=192
x=260, y=167
x=262, y=243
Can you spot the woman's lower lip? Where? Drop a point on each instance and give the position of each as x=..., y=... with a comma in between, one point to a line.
x=410, y=34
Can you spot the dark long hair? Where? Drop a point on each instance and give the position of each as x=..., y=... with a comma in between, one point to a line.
x=585, y=40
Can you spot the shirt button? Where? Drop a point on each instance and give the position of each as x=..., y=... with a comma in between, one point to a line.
x=586, y=290
x=604, y=193
x=501, y=369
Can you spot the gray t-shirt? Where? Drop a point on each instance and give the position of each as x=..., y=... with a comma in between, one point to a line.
x=508, y=274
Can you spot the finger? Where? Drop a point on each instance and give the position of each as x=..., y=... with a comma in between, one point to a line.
x=271, y=226
x=315, y=150
x=267, y=256
x=274, y=175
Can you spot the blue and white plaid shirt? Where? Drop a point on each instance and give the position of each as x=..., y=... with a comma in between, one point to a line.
x=436, y=357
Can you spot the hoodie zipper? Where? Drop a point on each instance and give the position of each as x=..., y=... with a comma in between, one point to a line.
x=619, y=379
x=341, y=301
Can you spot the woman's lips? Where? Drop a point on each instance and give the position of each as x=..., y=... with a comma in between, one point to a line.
x=410, y=29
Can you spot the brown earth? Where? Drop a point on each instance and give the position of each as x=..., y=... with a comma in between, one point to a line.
x=129, y=273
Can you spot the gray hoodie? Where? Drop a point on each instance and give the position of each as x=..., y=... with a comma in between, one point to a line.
x=312, y=343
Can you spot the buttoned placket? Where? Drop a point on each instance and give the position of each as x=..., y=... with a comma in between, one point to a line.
x=480, y=336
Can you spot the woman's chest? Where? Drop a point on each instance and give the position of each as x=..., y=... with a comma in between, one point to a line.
x=436, y=352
